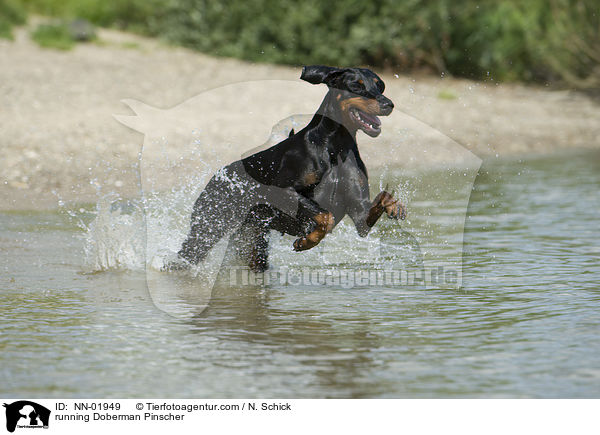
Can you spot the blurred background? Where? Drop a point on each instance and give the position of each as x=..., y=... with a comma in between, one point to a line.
x=544, y=41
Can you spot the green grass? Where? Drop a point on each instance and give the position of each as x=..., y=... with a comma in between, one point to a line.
x=53, y=36
x=446, y=94
x=130, y=45
x=5, y=30
x=126, y=14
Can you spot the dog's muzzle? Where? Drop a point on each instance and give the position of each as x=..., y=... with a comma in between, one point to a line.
x=385, y=105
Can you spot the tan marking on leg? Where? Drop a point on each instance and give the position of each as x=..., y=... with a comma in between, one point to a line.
x=310, y=178
x=325, y=223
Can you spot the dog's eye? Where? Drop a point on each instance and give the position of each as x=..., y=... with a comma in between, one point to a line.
x=356, y=86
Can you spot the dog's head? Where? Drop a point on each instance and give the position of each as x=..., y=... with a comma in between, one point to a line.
x=358, y=94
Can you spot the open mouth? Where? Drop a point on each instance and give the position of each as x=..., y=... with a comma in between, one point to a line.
x=367, y=122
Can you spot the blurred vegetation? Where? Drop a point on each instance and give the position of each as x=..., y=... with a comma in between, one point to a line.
x=53, y=36
x=63, y=34
x=537, y=40
x=134, y=15
x=12, y=13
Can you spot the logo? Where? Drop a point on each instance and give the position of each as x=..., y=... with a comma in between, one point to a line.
x=26, y=414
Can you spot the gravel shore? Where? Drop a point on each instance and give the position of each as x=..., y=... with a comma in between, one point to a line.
x=60, y=141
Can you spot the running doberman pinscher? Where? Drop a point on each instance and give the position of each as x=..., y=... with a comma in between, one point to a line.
x=302, y=186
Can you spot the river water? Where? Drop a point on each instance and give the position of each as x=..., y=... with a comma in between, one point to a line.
x=78, y=318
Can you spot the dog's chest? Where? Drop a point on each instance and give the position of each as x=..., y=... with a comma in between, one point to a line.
x=313, y=173
x=329, y=192
x=311, y=177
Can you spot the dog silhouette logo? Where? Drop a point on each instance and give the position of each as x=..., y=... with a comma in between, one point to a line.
x=186, y=235
x=26, y=414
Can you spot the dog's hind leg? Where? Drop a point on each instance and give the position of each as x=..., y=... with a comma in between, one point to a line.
x=202, y=237
x=251, y=242
x=216, y=213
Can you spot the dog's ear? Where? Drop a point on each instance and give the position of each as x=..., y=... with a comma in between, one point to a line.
x=316, y=74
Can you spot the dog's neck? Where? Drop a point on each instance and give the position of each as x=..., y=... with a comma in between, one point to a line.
x=329, y=127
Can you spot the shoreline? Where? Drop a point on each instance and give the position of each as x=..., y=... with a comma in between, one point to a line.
x=59, y=140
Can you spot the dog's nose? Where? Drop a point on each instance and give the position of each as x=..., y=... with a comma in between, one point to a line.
x=386, y=105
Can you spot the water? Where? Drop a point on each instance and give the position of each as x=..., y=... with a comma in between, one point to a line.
x=523, y=324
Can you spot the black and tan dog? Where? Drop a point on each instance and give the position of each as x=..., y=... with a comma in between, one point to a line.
x=304, y=185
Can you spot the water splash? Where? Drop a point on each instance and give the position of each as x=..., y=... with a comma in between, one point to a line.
x=115, y=238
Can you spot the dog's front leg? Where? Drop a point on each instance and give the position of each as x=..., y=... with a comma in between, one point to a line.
x=384, y=201
x=325, y=223
x=365, y=213
x=318, y=220
x=300, y=216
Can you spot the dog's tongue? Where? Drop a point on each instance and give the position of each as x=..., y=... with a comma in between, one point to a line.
x=371, y=119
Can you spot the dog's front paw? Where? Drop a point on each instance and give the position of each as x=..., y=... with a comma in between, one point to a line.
x=396, y=211
x=301, y=244
x=393, y=207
